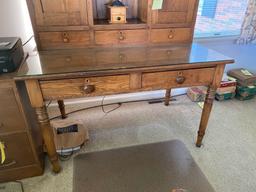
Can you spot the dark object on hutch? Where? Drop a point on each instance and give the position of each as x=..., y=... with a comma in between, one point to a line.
x=11, y=54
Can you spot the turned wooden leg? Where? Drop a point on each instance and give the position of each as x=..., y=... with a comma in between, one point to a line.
x=48, y=137
x=62, y=109
x=205, y=115
x=167, y=97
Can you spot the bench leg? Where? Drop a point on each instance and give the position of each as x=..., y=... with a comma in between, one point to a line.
x=167, y=97
x=205, y=115
x=62, y=109
x=48, y=137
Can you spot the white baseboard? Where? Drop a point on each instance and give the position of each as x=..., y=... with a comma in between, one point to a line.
x=121, y=97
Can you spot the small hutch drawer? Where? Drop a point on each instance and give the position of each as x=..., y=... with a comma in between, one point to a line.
x=181, y=78
x=80, y=87
x=17, y=151
x=121, y=37
x=65, y=39
x=171, y=35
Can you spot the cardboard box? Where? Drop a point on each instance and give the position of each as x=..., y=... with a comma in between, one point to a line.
x=243, y=76
x=246, y=91
x=225, y=96
x=197, y=94
x=223, y=90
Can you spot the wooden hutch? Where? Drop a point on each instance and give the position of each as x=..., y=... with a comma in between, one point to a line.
x=61, y=24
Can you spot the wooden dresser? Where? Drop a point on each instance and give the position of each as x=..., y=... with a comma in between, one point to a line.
x=82, y=55
x=19, y=133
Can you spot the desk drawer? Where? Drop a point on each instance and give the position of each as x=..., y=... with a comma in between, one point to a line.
x=17, y=151
x=65, y=39
x=11, y=118
x=171, y=35
x=92, y=86
x=121, y=37
x=181, y=78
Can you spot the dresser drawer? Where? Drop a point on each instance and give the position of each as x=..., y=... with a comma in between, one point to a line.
x=181, y=78
x=171, y=35
x=121, y=37
x=17, y=150
x=11, y=118
x=67, y=39
x=93, y=86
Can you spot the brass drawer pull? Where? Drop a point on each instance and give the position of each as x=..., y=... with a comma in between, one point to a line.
x=68, y=59
x=180, y=78
x=121, y=36
x=8, y=164
x=65, y=37
x=89, y=89
x=121, y=56
x=168, y=52
x=171, y=34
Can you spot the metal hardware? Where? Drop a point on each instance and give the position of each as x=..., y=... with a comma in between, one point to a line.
x=168, y=52
x=68, y=59
x=89, y=89
x=171, y=34
x=65, y=37
x=121, y=56
x=1, y=125
x=180, y=78
x=121, y=36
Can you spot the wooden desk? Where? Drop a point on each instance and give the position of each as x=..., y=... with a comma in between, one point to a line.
x=58, y=75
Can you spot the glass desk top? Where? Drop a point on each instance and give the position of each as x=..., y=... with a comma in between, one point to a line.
x=104, y=59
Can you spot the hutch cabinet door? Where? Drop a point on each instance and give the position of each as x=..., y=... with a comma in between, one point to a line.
x=175, y=11
x=60, y=12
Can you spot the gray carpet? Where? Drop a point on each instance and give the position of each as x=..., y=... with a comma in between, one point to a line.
x=227, y=157
x=158, y=167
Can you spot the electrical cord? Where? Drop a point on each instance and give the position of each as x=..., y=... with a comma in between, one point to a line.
x=119, y=103
x=107, y=112
x=21, y=185
x=49, y=104
x=28, y=40
x=65, y=157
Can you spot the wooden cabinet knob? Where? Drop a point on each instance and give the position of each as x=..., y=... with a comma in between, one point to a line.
x=121, y=36
x=65, y=40
x=68, y=59
x=65, y=37
x=171, y=35
x=121, y=56
x=180, y=79
x=168, y=52
x=89, y=89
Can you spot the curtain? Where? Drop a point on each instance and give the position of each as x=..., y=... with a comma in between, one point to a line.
x=248, y=31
